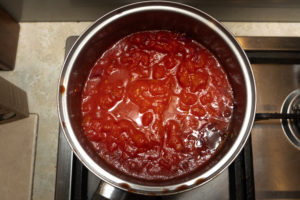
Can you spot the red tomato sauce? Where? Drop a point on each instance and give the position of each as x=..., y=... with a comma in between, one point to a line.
x=157, y=105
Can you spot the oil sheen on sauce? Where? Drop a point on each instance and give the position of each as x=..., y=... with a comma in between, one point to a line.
x=157, y=105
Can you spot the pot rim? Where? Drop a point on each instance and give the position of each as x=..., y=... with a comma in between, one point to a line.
x=163, y=6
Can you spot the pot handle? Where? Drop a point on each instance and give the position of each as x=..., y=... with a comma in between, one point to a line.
x=106, y=191
x=266, y=116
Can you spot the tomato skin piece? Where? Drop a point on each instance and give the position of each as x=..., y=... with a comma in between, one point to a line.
x=157, y=105
x=188, y=98
x=183, y=77
x=159, y=72
x=198, y=110
x=147, y=118
x=173, y=131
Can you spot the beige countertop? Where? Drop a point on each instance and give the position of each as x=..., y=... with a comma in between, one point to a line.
x=40, y=57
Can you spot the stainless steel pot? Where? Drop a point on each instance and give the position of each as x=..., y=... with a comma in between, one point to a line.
x=153, y=16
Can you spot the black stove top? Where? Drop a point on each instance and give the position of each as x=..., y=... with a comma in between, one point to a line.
x=268, y=166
